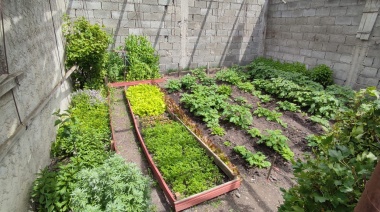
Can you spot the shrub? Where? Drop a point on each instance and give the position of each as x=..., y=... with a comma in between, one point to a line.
x=113, y=186
x=82, y=142
x=334, y=178
x=143, y=63
x=322, y=74
x=86, y=46
x=173, y=85
x=115, y=67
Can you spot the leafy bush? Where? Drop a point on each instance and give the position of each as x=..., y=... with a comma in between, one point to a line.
x=115, y=67
x=254, y=132
x=188, y=81
x=334, y=178
x=184, y=165
x=253, y=159
x=173, y=85
x=82, y=142
x=224, y=90
x=238, y=115
x=246, y=86
x=289, y=106
x=322, y=74
x=232, y=75
x=113, y=186
x=270, y=115
x=146, y=100
x=278, y=143
x=217, y=130
x=143, y=63
x=86, y=46
x=205, y=101
x=283, y=66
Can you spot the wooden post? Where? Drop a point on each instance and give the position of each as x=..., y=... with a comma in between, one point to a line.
x=271, y=166
x=208, y=68
x=179, y=70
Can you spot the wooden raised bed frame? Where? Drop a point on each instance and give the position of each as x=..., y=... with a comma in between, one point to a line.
x=195, y=199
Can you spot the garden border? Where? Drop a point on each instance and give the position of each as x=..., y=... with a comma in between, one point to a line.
x=178, y=205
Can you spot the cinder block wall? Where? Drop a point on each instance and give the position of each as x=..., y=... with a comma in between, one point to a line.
x=33, y=41
x=189, y=33
x=324, y=32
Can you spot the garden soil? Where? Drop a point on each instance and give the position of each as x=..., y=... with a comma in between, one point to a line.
x=258, y=192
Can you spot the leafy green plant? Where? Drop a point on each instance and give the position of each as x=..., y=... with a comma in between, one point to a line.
x=82, y=142
x=289, y=106
x=188, y=81
x=241, y=100
x=344, y=159
x=224, y=90
x=227, y=143
x=278, y=142
x=115, y=67
x=173, y=85
x=322, y=74
x=239, y=115
x=254, y=132
x=217, y=130
x=253, y=159
x=113, y=186
x=232, y=75
x=270, y=115
x=146, y=100
x=204, y=101
x=86, y=46
x=264, y=98
x=184, y=165
x=246, y=86
x=320, y=120
x=142, y=59
x=283, y=66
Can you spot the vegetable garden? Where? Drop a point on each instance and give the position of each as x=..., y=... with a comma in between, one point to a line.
x=268, y=125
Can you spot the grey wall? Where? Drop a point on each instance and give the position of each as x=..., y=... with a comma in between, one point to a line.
x=33, y=41
x=191, y=33
x=324, y=32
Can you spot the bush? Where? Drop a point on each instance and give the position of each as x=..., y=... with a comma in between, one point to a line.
x=113, y=186
x=115, y=67
x=86, y=46
x=333, y=179
x=143, y=63
x=82, y=142
x=322, y=74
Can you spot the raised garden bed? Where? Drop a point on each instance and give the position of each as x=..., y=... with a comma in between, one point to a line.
x=179, y=201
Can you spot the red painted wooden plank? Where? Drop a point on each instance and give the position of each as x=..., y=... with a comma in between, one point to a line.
x=206, y=195
x=189, y=201
x=123, y=84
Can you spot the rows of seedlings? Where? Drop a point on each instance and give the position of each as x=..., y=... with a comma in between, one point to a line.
x=261, y=111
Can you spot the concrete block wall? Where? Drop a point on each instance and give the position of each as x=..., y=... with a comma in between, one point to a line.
x=189, y=33
x=324, y=32
x=33, y=41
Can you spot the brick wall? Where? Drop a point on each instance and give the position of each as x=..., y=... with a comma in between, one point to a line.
x=324, y=32
x=189, y=33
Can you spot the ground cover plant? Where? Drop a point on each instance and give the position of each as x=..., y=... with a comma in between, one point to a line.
x=82, y=143
x=183, y=163
x=146, y=100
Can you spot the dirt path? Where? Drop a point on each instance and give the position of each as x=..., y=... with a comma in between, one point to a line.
x=126, y=144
